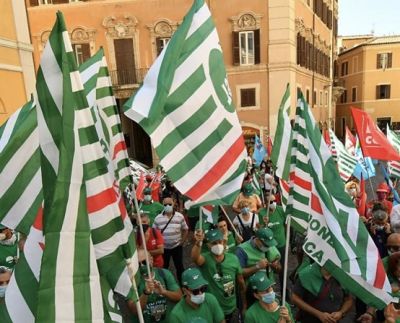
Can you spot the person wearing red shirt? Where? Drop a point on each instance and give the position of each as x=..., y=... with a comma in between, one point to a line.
x=382, y=193
x=154, y=241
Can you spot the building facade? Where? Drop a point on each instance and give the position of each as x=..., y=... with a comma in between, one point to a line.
x=266, y=44
x=17, y=72
x=369, y=72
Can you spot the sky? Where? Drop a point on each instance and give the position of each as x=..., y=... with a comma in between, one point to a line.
x=358, y=17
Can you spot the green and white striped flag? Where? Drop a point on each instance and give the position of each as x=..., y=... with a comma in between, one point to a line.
x=280, y=155
x=336, y=237
x=20, y=172
x=346, y=162
x=69, y=283
x=393, y=166
x=185, y=106
x=103, y=169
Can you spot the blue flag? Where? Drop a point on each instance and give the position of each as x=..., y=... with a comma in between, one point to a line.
x=396, y=198
x=365, y=166
x=259, y=151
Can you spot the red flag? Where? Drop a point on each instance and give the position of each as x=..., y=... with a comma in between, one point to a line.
x=155, y=187
x=373, y=142
x=269, y=146
x=350, y=142
x=140, y=187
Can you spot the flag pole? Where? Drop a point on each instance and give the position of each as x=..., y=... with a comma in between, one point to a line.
x=285, y=265
x=369, y=179
x=270, y=193
x=200, y=223
x=139, y=221
x=230, y=222
x=132, y=277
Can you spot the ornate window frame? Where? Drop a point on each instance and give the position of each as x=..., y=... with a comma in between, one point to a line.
x=162, y=28
x=246, y=21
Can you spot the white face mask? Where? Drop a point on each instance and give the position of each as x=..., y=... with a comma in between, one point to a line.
x=168, y=208
x=10, y=241
x=147, y=198
x=3, y=291
x=272, y=206
x=217, y=249
x=198, y=299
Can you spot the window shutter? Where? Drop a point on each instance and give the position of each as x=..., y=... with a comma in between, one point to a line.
x=298, y=48
x=378, y=92
x=388, y=92
x=235, y=48
x=257, y=46
x=389, y=62
x=378, y=61
x=34, y=3
x=85, y=51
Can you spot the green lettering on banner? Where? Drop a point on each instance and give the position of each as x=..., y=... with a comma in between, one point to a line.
x=315, y=225
x=309, y=248
x=318, y=256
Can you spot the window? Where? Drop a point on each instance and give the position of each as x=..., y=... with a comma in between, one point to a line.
x=345, y=68
x=355, y=64
x=248, y=97
x=343, y=98
x=308, y=96
x=353, y=94
x=384, y=60
x=320, y=98
x=161, y=43
x=326, y=98
x=246, y=47
x=41, y=2
x=82, y=52
x=383, y=91
x=314, y=98
x=298, y=92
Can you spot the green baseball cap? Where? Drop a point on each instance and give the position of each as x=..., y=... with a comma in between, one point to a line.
x=147, y=190
x=214, y=235
x=260, y=282
x=266, y=236
x=193, y=279
x=248, y=189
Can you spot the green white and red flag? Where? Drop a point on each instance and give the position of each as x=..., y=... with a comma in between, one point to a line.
x=350, y=142
x=335, y=236
x=280, y=155
x=393, y=166
x=185, y=105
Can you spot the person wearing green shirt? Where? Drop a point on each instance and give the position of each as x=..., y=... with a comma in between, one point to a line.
x=8, y=247
x=149, y=207
x=230, y=241
x=196, y=305
x=222, y=271
x=266, y=309
x=158, y=294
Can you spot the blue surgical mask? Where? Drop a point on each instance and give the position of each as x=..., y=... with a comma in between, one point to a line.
x=168, y=208
x=198, y=299
x=268, y=298
x=245, y=210
x=3, y=291
x=147, y=198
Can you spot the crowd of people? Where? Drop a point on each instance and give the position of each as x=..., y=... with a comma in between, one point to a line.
x=236, y=265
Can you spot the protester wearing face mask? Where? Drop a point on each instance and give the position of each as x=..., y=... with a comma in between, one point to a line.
x=246, y=221
x=154, y=241
x=8, y=247
x=174, y=229
x=320, y=297
x=222, y=271
x=150, y=207
x=196, y=305
x=382, y=194
x=5, y=275
x=252, y=254
x=247, y=194
x=266, y=309
x=231, y=240
x=158, y=293
x=379, y=228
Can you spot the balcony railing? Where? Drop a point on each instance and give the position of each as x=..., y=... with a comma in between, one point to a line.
x=128, y=76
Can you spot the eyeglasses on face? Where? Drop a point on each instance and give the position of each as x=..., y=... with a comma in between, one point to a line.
x=200, y=290
x=394, y=248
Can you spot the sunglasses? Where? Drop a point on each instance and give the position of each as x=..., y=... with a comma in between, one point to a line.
x=170, y=204
x=394, y=248
x=200, y=290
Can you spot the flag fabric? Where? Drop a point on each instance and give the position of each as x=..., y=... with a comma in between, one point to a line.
x=350, y=142
x=393, y=166
x=284, y=188
x=185, y=106
x=69, y=285
x=140, y=187
x=269, y=146
x=365, y=167
x=280, y=155
x=255, y=183
x=336, y=238
x=373, y=142
x=156, y=186
x=210, y=213
x=259, y=151
x=345, y=161
x=20, y=172
x=362, y=199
